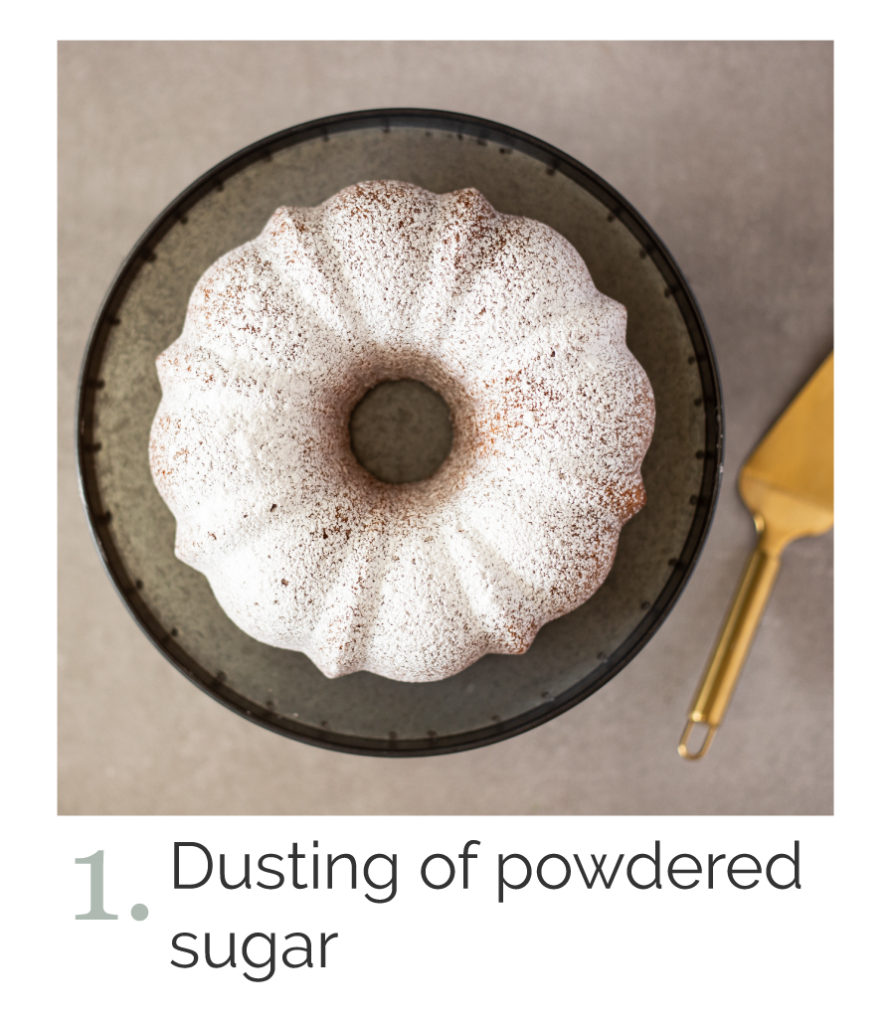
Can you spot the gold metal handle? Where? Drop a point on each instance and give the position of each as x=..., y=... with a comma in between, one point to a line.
x=733, y=644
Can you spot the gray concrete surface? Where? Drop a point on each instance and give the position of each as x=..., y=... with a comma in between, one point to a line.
x=726, y=148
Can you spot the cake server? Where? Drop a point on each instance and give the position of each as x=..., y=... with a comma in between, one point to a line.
x=787, y=485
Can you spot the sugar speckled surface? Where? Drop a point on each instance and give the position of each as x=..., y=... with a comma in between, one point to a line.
x=250, y=447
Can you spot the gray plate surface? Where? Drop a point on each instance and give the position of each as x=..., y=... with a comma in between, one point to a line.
x=499, y=695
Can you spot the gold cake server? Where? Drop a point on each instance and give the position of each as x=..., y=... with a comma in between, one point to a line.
x=787, y=485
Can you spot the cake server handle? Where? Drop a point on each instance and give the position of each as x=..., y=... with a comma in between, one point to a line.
x=720, y=678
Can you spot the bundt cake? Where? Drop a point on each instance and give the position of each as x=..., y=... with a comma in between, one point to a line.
x=250, y=448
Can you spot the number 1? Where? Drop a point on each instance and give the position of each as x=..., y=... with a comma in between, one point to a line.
x=96, y=912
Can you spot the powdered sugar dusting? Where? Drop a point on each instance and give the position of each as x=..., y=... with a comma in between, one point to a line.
x=551, y=418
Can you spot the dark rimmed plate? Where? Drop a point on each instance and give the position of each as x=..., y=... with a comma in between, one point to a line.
x=500, y=695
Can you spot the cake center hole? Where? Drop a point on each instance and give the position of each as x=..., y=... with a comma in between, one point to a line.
x=401, y=431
